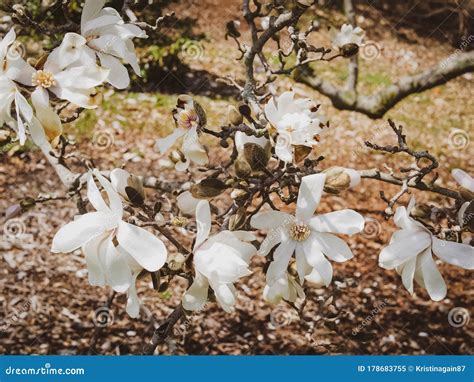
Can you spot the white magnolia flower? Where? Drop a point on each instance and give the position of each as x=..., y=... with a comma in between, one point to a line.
x=108, y=37
x=115, y=251
x=188, y=120
x=465, y=181
x=307, y=235
x=411, y=252
x=122, y=179
x=219, y=260
x=13, y=69
x=286, y=288
x=187, y=203
x=347, y=35
x=295, y=121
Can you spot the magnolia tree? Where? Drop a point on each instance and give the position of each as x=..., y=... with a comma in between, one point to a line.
x=271, y=165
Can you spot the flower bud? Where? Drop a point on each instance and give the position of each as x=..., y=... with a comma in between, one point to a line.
x=176, y=262
x=237, y=220
x=256, y=156
x=235, y=118
x=349, y=50
x=465, y=193
x=339, y=179
x=179, y=221
x=242, y=168
x=208, y=188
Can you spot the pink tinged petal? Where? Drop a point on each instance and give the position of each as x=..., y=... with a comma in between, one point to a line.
x=133, y=302
x=404, y=245
x=196, y=296
x=118, y=272
x=302, y=266
x=225, y=295
x=118, y=75
x=345, y=221
x=311, y=189
x=463, y=179
x=78, y=232
x=144, y=247
x=203, y=220
x=94, y=195
x=333, y=247
x=95, y=251
x=91, y=10
x=115, y=202
x=271, y=219
x=193, y=149
x=408, y=272
x=284, y=152
x=314, y=256
x=432, y=278
x=187, y=203
x=281, y=258
x=460, y=255
x=163, y=144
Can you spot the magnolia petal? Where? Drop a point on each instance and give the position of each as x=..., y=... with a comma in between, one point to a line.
x=355, y=177
x=46, y=115
x=81, y=77
x=118, y=75
x=284, y=152
x=285, y=101
x=315, y=258
x=94, y=195
x=241, y=139
x=344, y=221
x=203, y=220
x=271, y=112
x=302, y=266
x=403, y=220
x=271, y=219
x=311, y=189
x=187, y=203
x=281, y=258
x=163, y=144
x=408, y=272
x=119, y=274
x=91, y=10
x=133, y=301
x=274, y=237
x=463, y=178
x=17, y=69
x=119, y=179
x=196, y=296
x=315, y=278
x=95, y=251
x=115, y=202
x=193, y=149
x=404, y=245
x=38, y=135
x=144, y=247
x=68, y=52
x=333, y=247
x=460, y=255
x=225, y=295
x=78, y=232
x=432, y=278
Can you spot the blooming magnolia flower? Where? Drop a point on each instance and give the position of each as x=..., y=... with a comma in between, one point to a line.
x=285, y=288
x=115, y=251
x=308, y=236
x=347, y=35
x=189, y=117
x=219, y=260
x=466, y=182
x=411, y=253
x=295, y=121
x=13, y=69
x=107, y=36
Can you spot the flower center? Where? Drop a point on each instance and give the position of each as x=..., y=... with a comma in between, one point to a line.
x=187, y=119
x=299, y=231
x=43, y=79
